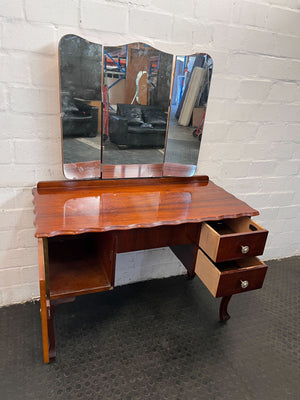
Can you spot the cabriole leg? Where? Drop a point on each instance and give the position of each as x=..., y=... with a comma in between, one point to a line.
x=223, y=314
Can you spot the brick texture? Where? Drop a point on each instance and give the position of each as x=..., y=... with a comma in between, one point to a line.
x=250, y=143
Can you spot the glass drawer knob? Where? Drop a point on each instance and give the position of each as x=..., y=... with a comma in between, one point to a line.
x=244, y=284
x=245, y=249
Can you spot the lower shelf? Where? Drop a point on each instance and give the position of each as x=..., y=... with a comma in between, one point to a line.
x=75, y=267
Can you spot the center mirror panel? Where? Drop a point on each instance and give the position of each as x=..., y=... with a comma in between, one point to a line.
x=136, y=89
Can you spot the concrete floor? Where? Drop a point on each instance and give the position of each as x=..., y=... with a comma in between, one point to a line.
x=160, y=339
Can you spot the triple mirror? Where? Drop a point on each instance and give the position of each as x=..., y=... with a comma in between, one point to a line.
x=130, y=110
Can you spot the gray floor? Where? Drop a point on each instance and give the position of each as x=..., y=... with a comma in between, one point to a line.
x=160, y=339
x=182, y=147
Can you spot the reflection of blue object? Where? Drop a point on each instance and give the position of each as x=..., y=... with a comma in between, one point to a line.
x=180, y=84
x=115, y=62
x=178, y=72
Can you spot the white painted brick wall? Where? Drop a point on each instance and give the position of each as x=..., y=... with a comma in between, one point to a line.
x=58, y=12
x=104, y=17
x=251, y=136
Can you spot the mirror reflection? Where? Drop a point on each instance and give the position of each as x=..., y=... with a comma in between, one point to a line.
x=130, y=110
x=191, y=84
x=80, y=81
x=136, y=89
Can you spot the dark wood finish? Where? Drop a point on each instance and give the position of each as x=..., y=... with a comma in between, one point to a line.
x=161, y=236
x=173, y=169
x=224, y=240
x=83, y=170
x=122, y=171
x=223, y=313
x=186, y=254
x=45, y=187
x=43, y=301
x=224, y=279
x=51, y=306
x=82, y=225
x=230, y=282
x=106, y=248
x=74, y=207
x=51, y=333
x=230, y=245
x=94, y=169
x=76, y=266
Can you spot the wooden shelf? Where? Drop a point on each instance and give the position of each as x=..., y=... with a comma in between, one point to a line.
x=75, y=266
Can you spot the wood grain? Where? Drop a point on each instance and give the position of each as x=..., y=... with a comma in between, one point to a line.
x=94, y=169
x=226, y=282
x=43, y=302
x=82, y=170
x=77, y=265
x=74, y=207
x=222, y=247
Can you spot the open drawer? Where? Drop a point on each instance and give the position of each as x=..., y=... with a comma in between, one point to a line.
x=232, y=239
x=228, y=278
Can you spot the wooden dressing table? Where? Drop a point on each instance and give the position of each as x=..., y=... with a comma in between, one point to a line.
x=82, y=225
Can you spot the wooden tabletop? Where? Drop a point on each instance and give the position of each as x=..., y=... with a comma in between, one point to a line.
x=74, y=207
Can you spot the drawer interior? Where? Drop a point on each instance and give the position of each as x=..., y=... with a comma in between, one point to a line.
x=232, y=239
x=248, y=262
x=232, y=226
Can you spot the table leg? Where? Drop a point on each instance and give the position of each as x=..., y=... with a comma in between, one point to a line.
x=223, y=314
x=43, y=301
x=51, y=307
x=51, y=333
x=44, y=321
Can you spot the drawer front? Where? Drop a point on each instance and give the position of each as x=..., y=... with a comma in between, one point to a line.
x=239, y=239
x=239, y=276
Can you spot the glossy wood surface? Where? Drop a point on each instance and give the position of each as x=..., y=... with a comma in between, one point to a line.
x=122, y=171
x=160, y=236
x=82, y=170
x=224, y=279
x=173, y=169
x=228, y=246
x=74, y=207
x=43, y=298
x=78, y=266
x=92, y=169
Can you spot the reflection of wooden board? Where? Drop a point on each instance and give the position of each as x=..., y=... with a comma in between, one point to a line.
x=197, y=116
x=136, y=62
x=143, y=90
x=196, y=85
x=117, y=92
